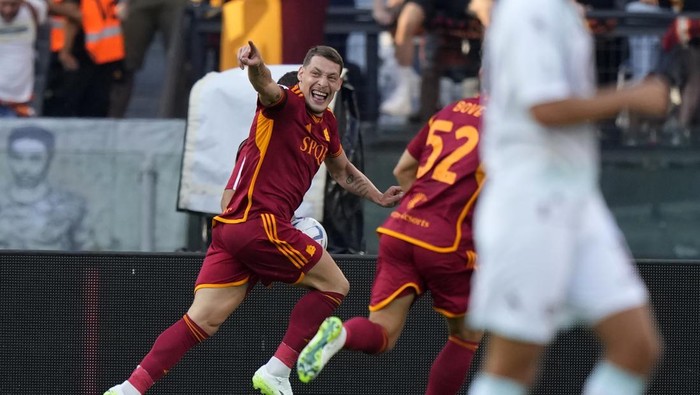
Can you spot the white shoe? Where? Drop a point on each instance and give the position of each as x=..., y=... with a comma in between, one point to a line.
x=401, y=101
x=123, y=389
x=269, y=384
x=116, y=390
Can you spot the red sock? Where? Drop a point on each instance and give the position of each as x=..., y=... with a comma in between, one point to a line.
x=451, y=366
x=306, y=317
x=365, y=335
x=167, y=350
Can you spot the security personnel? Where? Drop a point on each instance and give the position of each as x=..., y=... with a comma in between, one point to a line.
x=87, y=48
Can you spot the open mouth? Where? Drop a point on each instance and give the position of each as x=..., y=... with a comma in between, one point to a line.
x=318, y=96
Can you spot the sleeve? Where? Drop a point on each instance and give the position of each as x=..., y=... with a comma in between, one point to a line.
x=273, y=109
x=334, y=145
x=41, y=9
x=537, y=59
x=231, y=179
x=417, y=144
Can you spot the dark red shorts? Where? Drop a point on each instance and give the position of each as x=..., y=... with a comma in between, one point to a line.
x=260, y=249
x=404, y=267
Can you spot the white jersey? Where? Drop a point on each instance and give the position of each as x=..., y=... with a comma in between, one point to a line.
x=527, y=62
x=17, y=48
x=550, y=253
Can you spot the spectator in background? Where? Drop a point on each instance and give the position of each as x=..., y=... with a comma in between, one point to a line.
x=681, y=44
x=644, y=56
x=608, y=55
x=141, y=20
x=33, y=213
x=413, y=18
x=644, y=49
x=19, y=20
x=87, y=51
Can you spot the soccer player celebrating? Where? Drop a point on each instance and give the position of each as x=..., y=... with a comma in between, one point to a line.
x=293, y=132
x=425, y=244
x=549, y=249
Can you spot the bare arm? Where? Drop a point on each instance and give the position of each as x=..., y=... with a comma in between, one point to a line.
x=259, y=75
x=648, y=97
x=405, y=170
x=70, y=31
x=354, y=181
x=68, y=10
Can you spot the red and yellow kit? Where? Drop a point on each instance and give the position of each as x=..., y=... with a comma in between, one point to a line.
x=426, y=243
x=283, y=152
x=253, y=238
x=436, y=212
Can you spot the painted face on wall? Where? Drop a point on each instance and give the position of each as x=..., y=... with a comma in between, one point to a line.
x=28, y=160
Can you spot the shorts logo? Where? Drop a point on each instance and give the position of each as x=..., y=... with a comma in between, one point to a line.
x=310, y=249
x=417, y=199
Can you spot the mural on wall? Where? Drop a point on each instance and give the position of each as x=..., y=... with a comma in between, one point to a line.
x=101, y=185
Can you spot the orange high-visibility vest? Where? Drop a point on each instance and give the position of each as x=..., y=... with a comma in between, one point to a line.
x=103, y=32
x=57, y=37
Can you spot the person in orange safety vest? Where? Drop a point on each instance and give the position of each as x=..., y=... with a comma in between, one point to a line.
x=87, y=48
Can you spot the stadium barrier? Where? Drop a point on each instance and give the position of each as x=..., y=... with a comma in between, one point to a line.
x=79, y=323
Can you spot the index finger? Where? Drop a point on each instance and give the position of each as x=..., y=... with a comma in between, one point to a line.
x=253, y=48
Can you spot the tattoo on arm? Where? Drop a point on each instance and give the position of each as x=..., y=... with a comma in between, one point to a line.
x=360, y=186
x=353, y=180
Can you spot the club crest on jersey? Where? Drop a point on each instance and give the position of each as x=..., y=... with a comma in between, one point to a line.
x=311, y=147
x=311, y=249
x=416, y=199
x=326, y=135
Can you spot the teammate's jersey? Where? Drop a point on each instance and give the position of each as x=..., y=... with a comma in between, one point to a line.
x=283, y=152
x=436, y=212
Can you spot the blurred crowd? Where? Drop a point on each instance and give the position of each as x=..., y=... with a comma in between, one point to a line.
x=94, y=50
x=429, y=52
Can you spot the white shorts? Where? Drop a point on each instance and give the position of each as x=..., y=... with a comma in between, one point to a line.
x=548, y=260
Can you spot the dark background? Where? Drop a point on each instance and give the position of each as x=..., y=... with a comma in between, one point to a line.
x=80, y=323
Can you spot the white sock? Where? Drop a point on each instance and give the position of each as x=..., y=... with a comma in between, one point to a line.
x=128, y=389
x=405, y=74
x=609, y=379
x=486, y=384
x=277, y=368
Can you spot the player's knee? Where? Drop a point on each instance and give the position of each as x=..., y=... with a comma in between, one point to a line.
x=343, y=285
x=648, y=352
x=637, y=353
x=457, y=327
x=469, y=335
x=338, y=284
x=208, y=322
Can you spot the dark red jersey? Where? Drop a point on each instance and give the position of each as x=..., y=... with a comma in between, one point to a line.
x=436, y=212
x=283, y=152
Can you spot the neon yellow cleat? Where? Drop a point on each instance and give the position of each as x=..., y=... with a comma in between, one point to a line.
x=324, y=345
x=116, y=390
